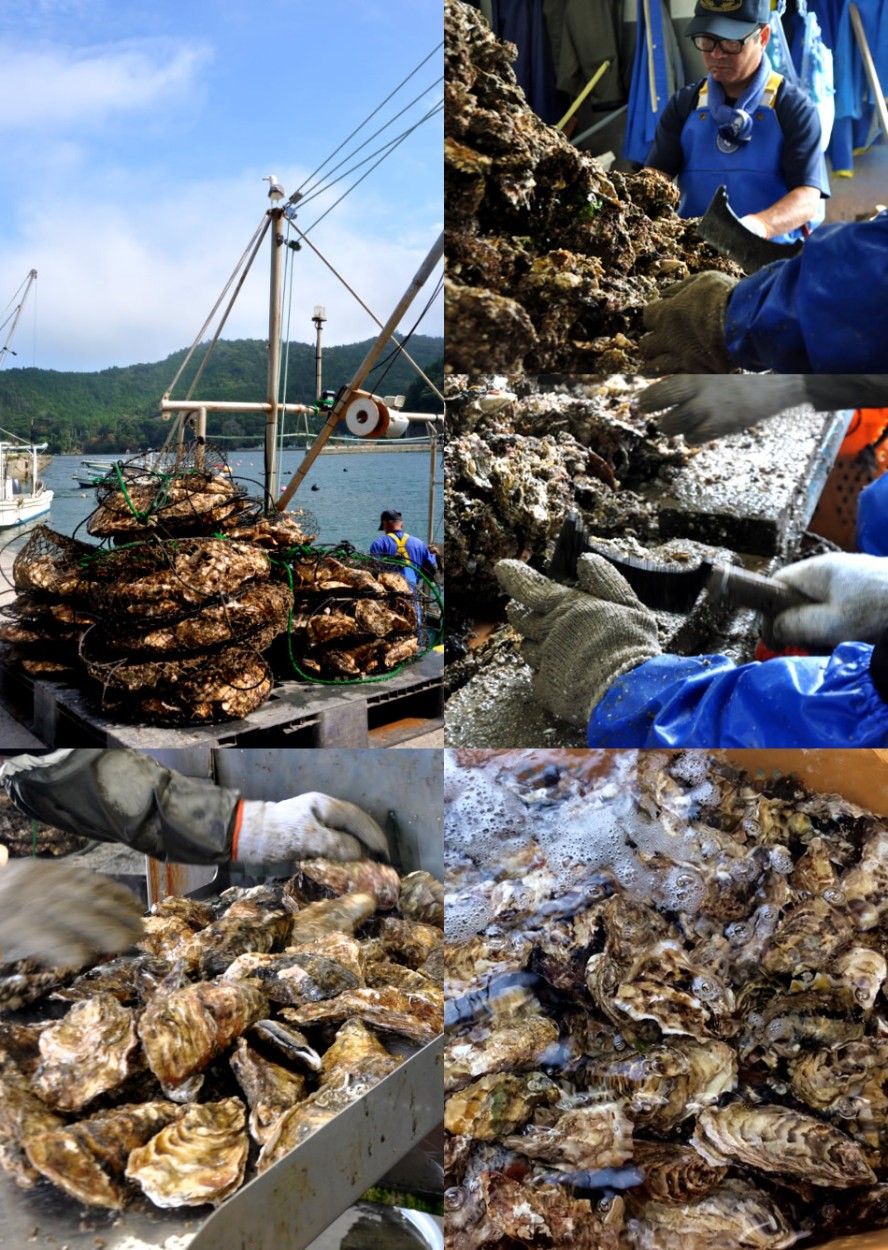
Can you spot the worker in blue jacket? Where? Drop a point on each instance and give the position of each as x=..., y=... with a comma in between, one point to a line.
x=596, y=661
x=407, y=548
x=743, y=126
x=821, y=311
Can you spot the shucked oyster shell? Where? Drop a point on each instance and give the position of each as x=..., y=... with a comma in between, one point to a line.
x=332, y=915
x=345, y=1080
x=674, y=1172
x=359, y=876
x=545, y=1215
x=87, y=1053
x=517, y=1046
x=777, y=1139
x=419, y=1016
x=309, y=972
x=355, y=1051
x=409, y=941
x=199, y=1158
x=86, y=1158
x=247, y=925
x=22, y=1115
x=184, y=1028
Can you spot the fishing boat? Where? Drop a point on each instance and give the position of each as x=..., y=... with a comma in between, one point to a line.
x=92, y=472
x=21, y=498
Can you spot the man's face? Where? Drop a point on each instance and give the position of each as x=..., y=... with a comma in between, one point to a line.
x=733, y=71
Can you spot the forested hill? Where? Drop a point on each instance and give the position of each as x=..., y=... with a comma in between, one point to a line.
x=117, y=409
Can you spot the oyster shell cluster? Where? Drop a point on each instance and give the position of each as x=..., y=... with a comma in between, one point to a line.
x=512, y=475
x=242, y=1026
x=665, y=1006
x=550, y=260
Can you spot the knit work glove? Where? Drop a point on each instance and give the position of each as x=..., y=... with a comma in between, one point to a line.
x=62, y=915
x=702, y=407
x=851, y=593
x=308, y=826
x=687, y=326
x=577, y=641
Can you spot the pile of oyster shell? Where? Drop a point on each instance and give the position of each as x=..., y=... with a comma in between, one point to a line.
x=512, y=475
x=665, y=1005
x=550, y=260
x=241, y=1026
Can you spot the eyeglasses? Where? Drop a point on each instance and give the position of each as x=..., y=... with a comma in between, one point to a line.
x=731, y=47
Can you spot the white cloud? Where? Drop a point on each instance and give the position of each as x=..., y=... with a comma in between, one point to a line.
x=123, y=282
x=63, y=89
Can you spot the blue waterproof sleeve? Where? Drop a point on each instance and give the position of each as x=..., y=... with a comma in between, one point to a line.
x=823, y=311
x=707, y=701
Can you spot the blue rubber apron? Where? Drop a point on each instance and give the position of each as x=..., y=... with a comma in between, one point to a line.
x=752, y=173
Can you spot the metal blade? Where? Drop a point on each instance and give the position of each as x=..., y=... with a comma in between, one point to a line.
x=720, y=227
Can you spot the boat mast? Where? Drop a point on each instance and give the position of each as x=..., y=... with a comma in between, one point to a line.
x=274, y=353
x=18, y=312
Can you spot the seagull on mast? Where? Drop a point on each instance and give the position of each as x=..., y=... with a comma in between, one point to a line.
x=275, y=190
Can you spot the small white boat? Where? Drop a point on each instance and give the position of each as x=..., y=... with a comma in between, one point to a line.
x=92, y=472
x=21, y=499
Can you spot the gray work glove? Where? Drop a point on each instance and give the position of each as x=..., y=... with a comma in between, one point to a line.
x=686, y=326
x=62, y=915
x=577, y=641
x=851, y=593
x=702, y=407
x=306, y=827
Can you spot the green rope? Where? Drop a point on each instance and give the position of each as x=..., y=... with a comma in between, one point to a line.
x=346, y=681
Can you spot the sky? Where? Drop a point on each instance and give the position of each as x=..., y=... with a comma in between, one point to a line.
x=135, y=138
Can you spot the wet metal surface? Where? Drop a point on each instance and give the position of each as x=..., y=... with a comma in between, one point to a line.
x=755, y=492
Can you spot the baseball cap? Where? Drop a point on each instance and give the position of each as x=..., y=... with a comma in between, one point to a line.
x=390, y=514
x=728, y=19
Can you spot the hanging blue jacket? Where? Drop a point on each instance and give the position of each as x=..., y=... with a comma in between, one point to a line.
x=707, y=701
x=823, y=311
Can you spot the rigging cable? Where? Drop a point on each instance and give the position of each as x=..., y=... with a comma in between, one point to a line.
x=322, y=186
x=393, y=355
x=386, y=150
x=254, y=242
x=365, y=307
x=366, y=119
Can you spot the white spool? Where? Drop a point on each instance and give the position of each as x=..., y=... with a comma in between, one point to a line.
x=365, y=417
x=397, y=425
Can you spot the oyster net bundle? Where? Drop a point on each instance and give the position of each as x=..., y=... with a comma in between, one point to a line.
x=354, y=617
x=239, y=1027
x=550, y=260
x=182, y=490
x=175, y=631
x=666, y=1015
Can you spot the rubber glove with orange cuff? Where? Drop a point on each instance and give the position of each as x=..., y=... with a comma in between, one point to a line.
x=126, y=796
